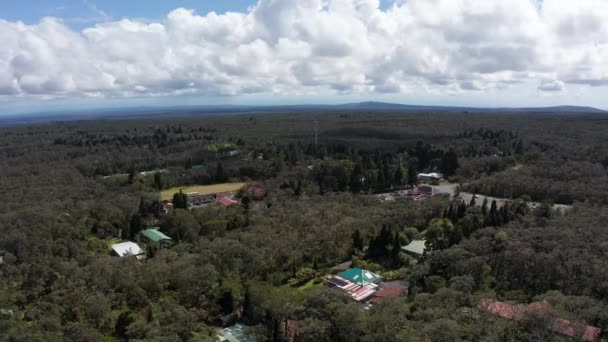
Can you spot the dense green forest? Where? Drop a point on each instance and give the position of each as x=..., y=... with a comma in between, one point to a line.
x=71, y=189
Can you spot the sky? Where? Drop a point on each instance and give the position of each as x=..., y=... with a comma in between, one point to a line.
x=484, y=53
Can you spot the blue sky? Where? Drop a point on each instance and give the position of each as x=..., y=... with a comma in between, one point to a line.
x=111, y=53
x=83, y=13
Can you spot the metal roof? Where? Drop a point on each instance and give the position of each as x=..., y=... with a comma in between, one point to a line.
x=359, y=276
x=127, y=248
x=416, y=247
x=155, y=235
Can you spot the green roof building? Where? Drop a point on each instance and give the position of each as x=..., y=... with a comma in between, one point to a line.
x=359, y=276
x=155, y=235
x=416, y=247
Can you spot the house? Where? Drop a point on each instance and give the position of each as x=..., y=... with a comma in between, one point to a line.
x=416, y=247
x=360, y=276
x=518, y=312
x=379, y=296
x=235, y=333
x=257, y=192
x=227, y=202
x=128, y=248
x=426, y=190
x=430, y=177
x=356, y=291
x=196, y=199
x=155, y=235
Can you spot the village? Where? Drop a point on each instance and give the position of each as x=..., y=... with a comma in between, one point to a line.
x=362, y=286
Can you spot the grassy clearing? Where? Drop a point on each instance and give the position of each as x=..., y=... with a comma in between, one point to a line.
x=202, y=189
x=309, y=286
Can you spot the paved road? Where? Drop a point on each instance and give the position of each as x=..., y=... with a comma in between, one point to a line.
x=450, y=188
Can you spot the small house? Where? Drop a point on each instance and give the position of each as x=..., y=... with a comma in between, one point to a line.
x=226, y=202
x=257, y=192
x=128, y=248
x=156, y=236
x=416, y=247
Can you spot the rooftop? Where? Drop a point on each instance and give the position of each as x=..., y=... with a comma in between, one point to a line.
x=359, y=276
x=127, y=248
x=155, y=235
x=386, y=293
x=416, y=247
x=226, y=202
x=519, y=311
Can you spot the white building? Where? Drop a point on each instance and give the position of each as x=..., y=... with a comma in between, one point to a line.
x=433, y=176
x=128, y=248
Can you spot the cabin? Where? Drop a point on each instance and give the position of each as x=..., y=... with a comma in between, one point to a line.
x=257, y=192
x=156, y=236
x=416, y=248
x=226, y=202
x=125, y=249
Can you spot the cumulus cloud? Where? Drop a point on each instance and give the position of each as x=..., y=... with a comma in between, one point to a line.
x=309, y=47
x=552, y=86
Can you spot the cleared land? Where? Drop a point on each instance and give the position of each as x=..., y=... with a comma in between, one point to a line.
x=202, y=189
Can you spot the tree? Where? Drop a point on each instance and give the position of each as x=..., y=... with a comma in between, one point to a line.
x=399, y=176
x=357, y=241
x=449, y=163
x=220, y=174
x=180, y=200
x=412, y=172
x=158, y=182
x=136, y=225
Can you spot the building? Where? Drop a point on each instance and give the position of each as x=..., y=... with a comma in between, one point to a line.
x=360, y=276
x=359, y=284
x=235, y=333
x=156, y=236
x=226, y=202
x=128, y=248
x=430, y=177
x=196, y=199
x=416, y=247
x=257, y=192
x=518, y=312
x=391, y=292
x=426, y=190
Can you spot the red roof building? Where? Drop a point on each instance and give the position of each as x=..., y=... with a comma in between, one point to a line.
x=257, y=192
x=519, y=311
x=386, y=293
x=226, y=202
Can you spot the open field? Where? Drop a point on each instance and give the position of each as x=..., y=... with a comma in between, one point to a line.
x=202, y=189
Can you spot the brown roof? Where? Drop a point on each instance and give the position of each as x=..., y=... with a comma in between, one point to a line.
x=227, y=202
x=518, y=311
x=257, y=191
x=386, y=293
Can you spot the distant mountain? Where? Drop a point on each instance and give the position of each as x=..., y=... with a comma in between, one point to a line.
x=415, y=108
x=135, y=112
